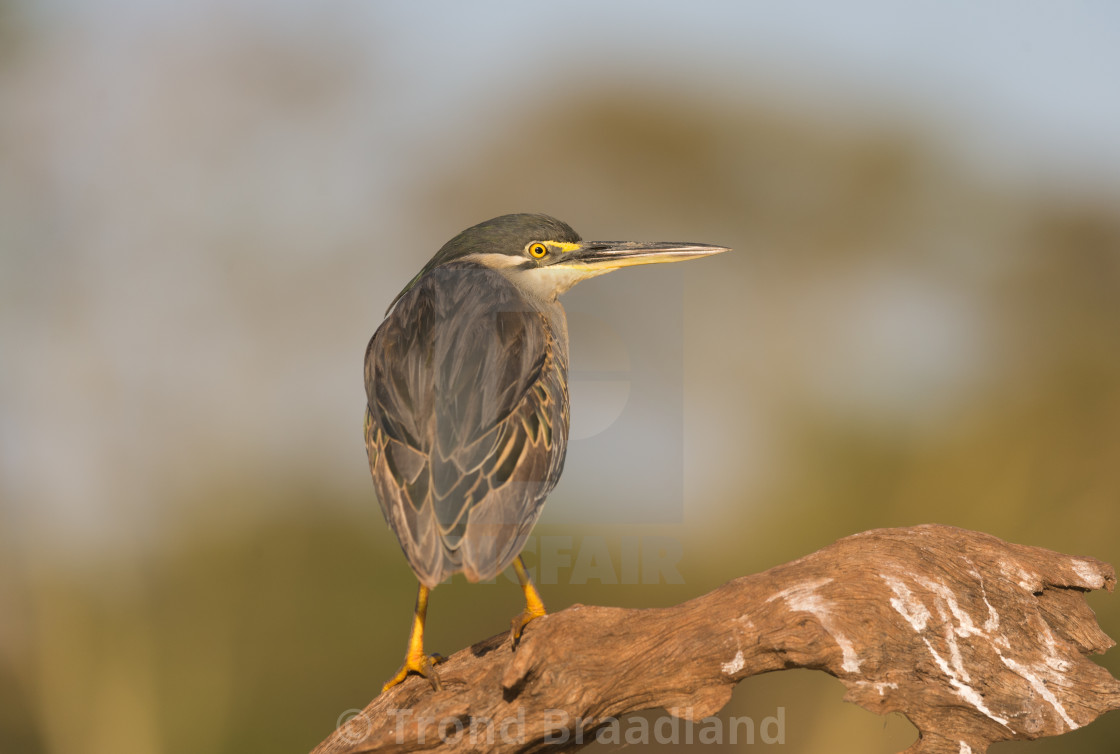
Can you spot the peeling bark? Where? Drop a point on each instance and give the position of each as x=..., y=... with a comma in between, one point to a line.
x=973, y=639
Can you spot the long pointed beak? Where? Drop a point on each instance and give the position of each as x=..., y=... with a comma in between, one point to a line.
x=611, y=255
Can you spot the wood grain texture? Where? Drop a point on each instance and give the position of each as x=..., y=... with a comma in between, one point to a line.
x=973, y=639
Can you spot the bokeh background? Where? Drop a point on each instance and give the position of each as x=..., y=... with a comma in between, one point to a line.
x=205, y=209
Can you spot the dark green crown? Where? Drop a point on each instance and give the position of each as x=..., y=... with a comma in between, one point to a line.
x=507, y=234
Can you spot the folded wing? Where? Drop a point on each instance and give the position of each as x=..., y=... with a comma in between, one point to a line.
x=466, y=422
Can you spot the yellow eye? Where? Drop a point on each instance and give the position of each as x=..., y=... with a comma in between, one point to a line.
x=538, y=250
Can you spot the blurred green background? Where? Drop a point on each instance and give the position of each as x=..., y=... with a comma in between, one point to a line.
x=205, y=209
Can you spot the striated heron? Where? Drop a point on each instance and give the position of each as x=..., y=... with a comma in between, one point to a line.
x=467, y=415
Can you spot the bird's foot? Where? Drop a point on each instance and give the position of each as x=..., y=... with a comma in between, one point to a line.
x=517, y=625
x=420, y=664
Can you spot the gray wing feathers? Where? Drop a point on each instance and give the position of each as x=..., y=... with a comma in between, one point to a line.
x=466, y=426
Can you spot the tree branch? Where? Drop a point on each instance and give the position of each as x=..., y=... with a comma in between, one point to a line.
x=974, y=639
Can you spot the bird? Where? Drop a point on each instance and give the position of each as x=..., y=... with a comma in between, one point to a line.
x=466, y=422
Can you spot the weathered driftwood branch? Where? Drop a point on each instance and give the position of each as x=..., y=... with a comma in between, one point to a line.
x=973, y=639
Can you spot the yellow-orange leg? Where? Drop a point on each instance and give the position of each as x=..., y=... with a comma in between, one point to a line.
x=534, y=607
x=416, y=661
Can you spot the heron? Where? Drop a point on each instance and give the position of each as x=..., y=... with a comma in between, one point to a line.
x=466, y=423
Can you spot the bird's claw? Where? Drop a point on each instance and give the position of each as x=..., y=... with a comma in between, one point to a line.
x=517, y=625
x=422, y=665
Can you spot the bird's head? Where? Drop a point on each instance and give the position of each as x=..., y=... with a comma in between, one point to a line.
x=544, y=257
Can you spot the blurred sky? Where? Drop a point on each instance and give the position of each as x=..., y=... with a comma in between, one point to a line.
x=1019, y=82
x=1030, y=81
x=115, y=113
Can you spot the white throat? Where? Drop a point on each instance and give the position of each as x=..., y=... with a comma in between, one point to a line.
x=549, y=282
x=542, y=283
